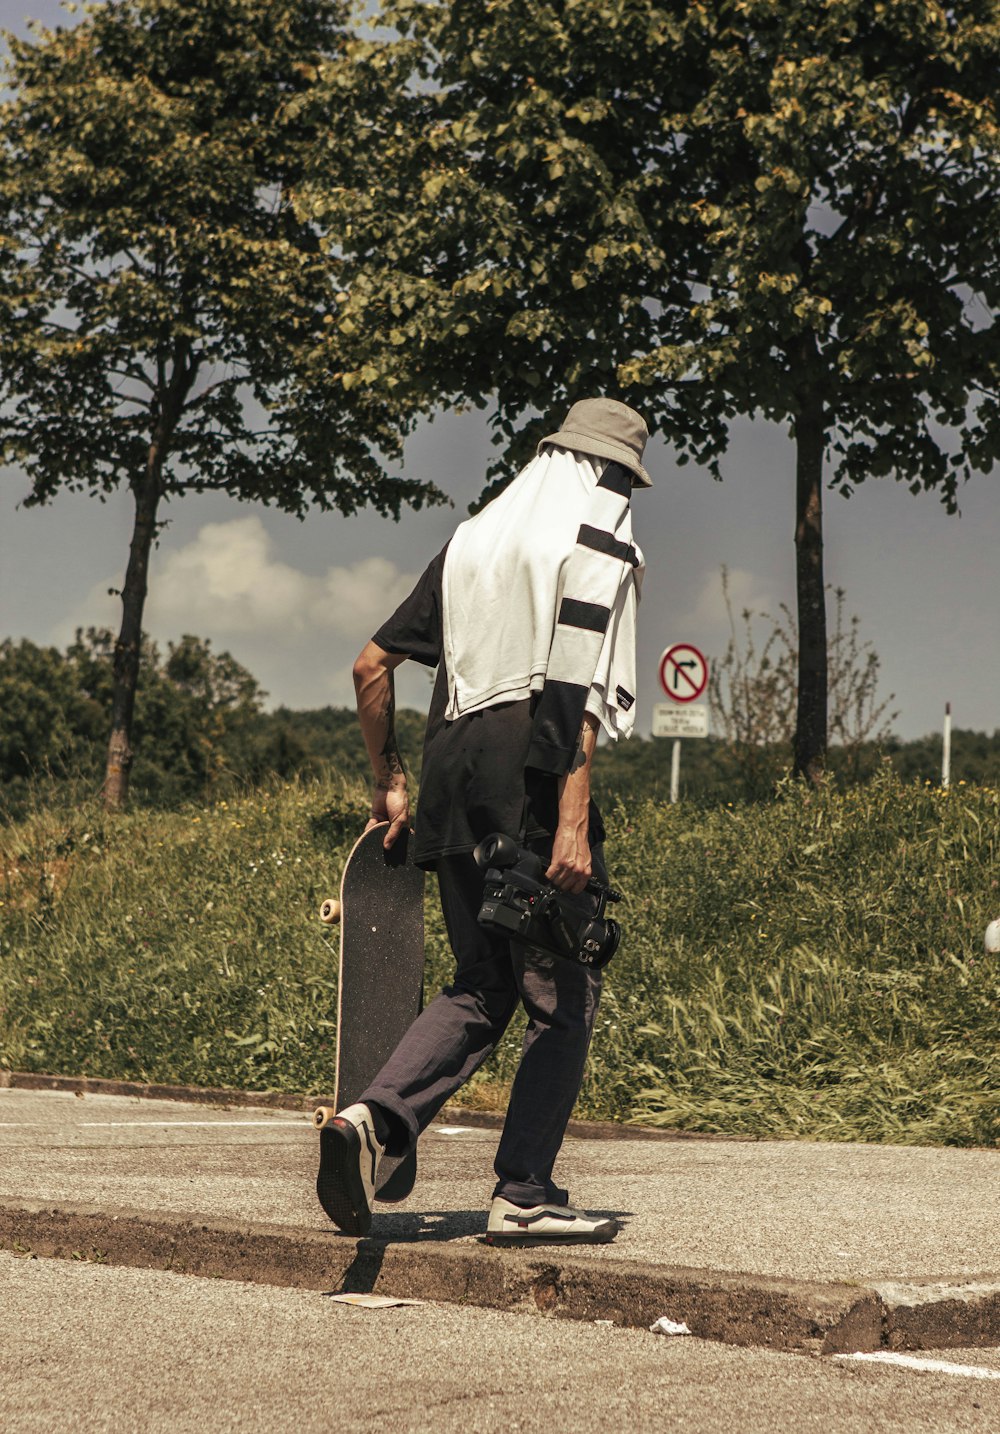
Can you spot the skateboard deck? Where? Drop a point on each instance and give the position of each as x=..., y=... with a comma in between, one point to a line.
x=381, y=917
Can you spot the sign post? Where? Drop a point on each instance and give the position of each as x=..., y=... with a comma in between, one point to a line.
x=946, y=749
x=683, y=677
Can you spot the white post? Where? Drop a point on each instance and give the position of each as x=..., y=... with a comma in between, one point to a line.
x=675, y=771
x=946, y=748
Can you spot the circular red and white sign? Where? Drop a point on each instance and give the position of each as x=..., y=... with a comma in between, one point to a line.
x=683, y=672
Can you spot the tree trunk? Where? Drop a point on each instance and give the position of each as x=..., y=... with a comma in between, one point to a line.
x=810, y=722
x=146, y=493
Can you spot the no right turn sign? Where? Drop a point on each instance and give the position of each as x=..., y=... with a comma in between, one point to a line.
x=683, y=672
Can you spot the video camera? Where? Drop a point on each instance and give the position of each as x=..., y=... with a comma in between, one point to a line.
x=521, y=905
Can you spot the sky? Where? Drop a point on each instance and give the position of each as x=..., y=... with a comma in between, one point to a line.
x=294, y=602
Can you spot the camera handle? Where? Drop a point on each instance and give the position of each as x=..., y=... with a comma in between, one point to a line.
x=501, y=851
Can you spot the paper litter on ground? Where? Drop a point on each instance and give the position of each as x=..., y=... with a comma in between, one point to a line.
x=668, y=1326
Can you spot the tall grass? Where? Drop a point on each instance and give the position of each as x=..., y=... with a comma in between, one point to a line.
x=176, y=946
x=812, y=967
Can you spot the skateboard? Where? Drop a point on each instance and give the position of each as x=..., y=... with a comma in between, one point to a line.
x=380, y=991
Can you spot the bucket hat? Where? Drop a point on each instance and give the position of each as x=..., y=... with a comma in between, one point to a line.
x=608, y=429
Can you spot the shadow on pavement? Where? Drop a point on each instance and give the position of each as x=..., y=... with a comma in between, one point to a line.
x=441, y=1226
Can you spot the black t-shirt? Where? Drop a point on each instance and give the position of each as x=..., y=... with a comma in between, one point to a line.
x=473, y=780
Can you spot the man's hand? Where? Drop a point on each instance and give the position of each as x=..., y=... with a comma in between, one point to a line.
x=391, y=806
x=570, y=869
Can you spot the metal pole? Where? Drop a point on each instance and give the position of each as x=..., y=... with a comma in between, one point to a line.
x=946, y=748
x=675, y=770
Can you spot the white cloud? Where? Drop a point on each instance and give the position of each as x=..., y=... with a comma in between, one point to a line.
x=227, y=581
x=355, y=601
x=297, y=632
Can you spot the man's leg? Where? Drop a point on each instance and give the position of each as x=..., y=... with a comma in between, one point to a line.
x=452, y=1036
x=561, y=999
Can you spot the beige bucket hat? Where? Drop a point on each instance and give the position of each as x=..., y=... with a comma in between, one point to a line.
x=609, y=429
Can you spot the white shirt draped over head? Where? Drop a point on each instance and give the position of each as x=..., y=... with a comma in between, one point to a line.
x=524, y=584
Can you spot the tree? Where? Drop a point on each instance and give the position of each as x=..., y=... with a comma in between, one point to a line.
x=197, y=715
x=195, y=712
x=46, y=721
x=707, y=209
x=161, y=305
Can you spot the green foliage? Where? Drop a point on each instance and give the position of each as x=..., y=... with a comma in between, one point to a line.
x=712, y=772
x=320, y=743
x=160, y=303
x=816, y=966
x=809, y=968
x=199, y=726
x=704, y=209
x=202, y=735
x=975, y=757
x=46, y=715
x=187, y=942
x=195, y=717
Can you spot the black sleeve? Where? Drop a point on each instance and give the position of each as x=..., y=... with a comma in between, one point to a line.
x=414, y=630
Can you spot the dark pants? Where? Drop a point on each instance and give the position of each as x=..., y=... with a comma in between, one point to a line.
x=452, y=1037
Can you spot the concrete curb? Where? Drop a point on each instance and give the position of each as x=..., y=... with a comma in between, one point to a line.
x=284, y=1100
x=927, y=1314
x=791, y=1315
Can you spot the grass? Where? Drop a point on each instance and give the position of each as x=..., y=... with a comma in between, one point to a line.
x=807, y=968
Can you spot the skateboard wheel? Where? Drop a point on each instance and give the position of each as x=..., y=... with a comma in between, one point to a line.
x=322, y=1116
x=329, y=912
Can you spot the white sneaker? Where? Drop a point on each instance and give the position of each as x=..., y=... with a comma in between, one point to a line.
x=349, y=1156
x=545, y=1225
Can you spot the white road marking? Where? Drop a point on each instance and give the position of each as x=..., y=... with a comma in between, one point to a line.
x=926, y=1366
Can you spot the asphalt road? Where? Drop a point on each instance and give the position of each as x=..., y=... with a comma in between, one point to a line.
x=94, y=1349
x=800, y=1210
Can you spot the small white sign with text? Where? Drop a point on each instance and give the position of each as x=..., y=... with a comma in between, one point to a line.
x=672, y=721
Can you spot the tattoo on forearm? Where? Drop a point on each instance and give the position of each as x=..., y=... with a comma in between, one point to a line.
x=392, y=762
x=580, y=756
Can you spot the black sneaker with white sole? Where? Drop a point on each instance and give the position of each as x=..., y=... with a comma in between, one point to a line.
x=349, y=1157
x=545, y=1225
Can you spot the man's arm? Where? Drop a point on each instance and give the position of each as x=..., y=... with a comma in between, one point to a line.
x=373, y=684
x=571, y=869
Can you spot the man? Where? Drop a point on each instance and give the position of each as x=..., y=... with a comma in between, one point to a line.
x=529, y=616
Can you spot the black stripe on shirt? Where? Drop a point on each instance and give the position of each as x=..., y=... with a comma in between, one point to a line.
x=556, y=726
x=601, y=541
x=591, y=616
x=618, y=479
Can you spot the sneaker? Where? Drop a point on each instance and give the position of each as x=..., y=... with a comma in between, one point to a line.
x=545, y=1225
x=349, y=1156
